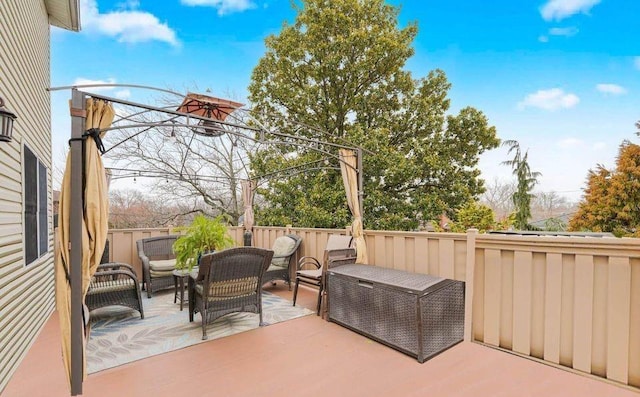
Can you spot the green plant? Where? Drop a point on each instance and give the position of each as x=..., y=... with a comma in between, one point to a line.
x=473, y=215
x=203, y=235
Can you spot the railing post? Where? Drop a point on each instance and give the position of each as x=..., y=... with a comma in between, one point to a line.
x=468, y=278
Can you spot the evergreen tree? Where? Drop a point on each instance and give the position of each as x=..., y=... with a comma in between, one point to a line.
x=525, y=182
x=611, y=201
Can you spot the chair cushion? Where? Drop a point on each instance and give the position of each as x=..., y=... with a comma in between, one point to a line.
x=166, y=273
x=162, y=265
x=111, y=286
x=231, y=288
x=313, y=273
x=282, y=248
x=275, y=268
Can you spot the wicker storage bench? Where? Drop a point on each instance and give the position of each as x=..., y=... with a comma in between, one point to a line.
x=417, y=314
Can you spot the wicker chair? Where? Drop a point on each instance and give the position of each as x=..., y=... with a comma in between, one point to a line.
x=284, y=250
x=312, y=272
x=228, y=281
x=158, y=262
x=114, y=284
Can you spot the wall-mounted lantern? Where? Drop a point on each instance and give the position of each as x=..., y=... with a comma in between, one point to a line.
x=6, y=123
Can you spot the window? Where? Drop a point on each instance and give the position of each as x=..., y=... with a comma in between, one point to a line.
x=36, y=225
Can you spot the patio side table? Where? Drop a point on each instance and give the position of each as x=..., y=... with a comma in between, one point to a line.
x=179, y=277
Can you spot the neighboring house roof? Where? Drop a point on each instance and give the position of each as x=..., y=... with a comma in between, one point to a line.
x=64, y=14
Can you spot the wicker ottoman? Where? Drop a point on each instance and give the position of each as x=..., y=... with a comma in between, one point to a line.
x=417, y=314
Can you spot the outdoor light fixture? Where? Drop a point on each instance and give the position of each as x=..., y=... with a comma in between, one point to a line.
x=6, y=123
x=208, y=128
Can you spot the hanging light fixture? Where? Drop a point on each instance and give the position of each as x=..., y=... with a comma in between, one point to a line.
x=208, y=128
x=6, y=123
x=214, y=109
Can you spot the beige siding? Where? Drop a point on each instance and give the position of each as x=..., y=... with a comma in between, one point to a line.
x=63, y=13
x=26, y=293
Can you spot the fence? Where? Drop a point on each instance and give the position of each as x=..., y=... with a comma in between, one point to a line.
x=569, y=301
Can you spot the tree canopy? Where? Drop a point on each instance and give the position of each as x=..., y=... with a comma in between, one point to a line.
x=611, y=200
x=340, y=68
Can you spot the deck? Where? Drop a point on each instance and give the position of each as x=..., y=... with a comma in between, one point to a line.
x=306, y=357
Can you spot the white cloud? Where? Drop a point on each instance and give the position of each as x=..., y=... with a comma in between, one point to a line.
x=612, y=89
x=552, y=99
x=570, y=142
x=223, y=6
x=543, y=39
x=123, y=94
x=636, y=62
x=567, y=32
x=83, y=81
x=118, y=92
x=561, y=9
x=127, y=25
x=599, y=146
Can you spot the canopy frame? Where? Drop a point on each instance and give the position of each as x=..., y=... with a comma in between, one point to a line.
x=78, y=120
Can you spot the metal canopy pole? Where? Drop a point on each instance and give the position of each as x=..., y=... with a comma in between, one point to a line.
x=78, y=116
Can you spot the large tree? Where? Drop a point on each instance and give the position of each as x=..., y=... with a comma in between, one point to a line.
x=611, y=200
x=340, y=69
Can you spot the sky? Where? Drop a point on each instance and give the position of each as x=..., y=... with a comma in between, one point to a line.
x=562, y=77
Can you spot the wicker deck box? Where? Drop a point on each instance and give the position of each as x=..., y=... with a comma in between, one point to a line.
x=417, y=314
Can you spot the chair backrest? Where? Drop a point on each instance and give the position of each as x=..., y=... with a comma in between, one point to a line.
x=338, y=241
x=234, y=271
x=284, y=247
x=338, y=257
x=157, y=247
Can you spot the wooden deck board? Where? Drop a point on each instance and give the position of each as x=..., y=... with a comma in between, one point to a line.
x=305, y=357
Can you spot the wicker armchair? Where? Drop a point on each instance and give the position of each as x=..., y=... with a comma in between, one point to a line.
x=228, y=281
x=114, y=284
x=284, y=250
x=158, y=262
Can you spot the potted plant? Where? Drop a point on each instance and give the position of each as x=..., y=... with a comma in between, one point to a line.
x=202, y=236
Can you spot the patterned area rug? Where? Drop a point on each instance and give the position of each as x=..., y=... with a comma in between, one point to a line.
x=119, y=336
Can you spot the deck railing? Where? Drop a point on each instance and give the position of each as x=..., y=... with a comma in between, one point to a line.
x=569, y=301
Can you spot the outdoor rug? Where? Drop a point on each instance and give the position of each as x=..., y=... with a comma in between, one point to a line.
x=118, y=335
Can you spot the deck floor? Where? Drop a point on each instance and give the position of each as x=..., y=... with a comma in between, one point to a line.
x=305, y=357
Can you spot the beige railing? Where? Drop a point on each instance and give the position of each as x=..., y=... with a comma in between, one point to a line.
x=569, y=301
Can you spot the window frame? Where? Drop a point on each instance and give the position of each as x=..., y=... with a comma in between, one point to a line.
x=40, y=226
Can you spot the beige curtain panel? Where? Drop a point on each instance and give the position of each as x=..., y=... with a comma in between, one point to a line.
x=248, y=189
x=348, y=164
x=100, y=115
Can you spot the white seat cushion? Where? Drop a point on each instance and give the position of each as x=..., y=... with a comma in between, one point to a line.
x=281, y=250
x=163, y=265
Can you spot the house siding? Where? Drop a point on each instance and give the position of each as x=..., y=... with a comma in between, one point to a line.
x=26, y=292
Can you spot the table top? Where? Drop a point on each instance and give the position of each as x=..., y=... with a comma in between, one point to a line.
x=184, y=272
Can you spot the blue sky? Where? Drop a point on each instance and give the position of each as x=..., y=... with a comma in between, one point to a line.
x=560, y=76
